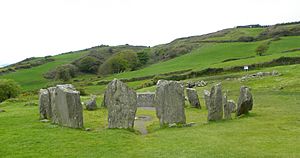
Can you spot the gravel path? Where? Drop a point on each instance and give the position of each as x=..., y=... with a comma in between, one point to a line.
x=141, y=120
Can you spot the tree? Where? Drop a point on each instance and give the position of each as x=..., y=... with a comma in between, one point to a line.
x=8, y=89
x=63, y=72
x=143, y=57
x=120, y=62
x=261, y=49
x=88, y=64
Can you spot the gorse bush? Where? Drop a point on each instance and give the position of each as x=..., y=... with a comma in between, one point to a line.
x=8, y=89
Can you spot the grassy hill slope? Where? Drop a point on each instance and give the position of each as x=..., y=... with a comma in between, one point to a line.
x=272, y=129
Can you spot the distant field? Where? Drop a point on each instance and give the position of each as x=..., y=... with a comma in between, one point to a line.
x=235, y=34
x=213, y=54
x=33, y=78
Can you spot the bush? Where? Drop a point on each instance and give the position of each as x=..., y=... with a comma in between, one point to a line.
x=88, y=64
x=8, y=89
x=263, y=48
x=246, y=39
x=143, y=57
x=120, y=62
x=63, y=72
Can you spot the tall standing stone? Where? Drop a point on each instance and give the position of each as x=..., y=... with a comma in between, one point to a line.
x=245, y=101
x=121, y=102
x=66, y=107
x=193, y=97
x=44, y=104
x=207, y=98
x=145, y=99
x=169, y=98
x=215, y=108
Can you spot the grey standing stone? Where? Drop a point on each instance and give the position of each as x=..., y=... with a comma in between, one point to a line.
x=245, y=101
x=215, y=108
x=66, y=107
x=44, y=104
x=121, y=102
x=207, y=98
x=91, y=104
x=145, y=99
x=232, y=106
x=193, y=97
x=227, y=110
x=169, y=99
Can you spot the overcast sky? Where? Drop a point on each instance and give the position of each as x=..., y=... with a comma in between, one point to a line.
x=47, y=27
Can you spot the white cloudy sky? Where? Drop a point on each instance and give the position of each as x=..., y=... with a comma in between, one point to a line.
x=46, y=27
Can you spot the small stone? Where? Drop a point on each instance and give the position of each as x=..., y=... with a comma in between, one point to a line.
x=44, y=120
x=189, y=124
x=207, y=98
x=193, y=97
x=232, y=106
x=30, y=104
x=91, y=104
x=172, y=125
x=227, y=110
x=145, y=99
x=88, y=129
x=191, y=84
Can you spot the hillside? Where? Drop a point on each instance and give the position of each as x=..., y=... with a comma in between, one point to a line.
x=191, y=53
x=271, y=129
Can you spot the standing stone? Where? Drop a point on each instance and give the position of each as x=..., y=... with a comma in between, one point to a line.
x=207, y=98
x=121, y=102
x=44, y=104
x=215, y=108
x=193, y=97
x=232, y=106
x=245, y=101
x=227, y=110
x=145, y=99
x=91, y=104
x=169, y=98
x=66, y=107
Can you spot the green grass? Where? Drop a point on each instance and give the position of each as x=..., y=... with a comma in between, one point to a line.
x=33, y=78
x=286, y=43
x=236, y=33
x=271, y=130
x=211, y=55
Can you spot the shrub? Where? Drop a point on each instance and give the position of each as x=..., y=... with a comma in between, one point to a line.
x=143, y=57
x=120, y=62
x=246, y=39
x=63, y=72
x=88, y=64
x=8, y=89
x=263, y=48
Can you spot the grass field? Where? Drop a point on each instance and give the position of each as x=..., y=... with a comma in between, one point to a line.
x=33, y=78
x=214, y=54
x=271, y=130
x=236, y=33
